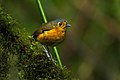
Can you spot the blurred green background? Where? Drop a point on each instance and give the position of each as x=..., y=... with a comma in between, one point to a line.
x=92, y=46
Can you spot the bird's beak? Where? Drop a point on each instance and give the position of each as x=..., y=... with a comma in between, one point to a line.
x=68, y=25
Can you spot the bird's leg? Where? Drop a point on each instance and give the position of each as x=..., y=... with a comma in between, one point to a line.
x=46, y=51
x=49, y=55
x=49, y=52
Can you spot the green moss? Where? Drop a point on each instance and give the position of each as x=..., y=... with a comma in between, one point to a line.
x=28, y=58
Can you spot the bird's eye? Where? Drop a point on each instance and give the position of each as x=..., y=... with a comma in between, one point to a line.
x=60, y=23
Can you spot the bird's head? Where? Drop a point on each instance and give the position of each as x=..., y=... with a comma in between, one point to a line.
x=60, y=23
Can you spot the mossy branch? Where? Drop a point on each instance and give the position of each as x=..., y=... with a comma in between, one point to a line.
x=22, y=56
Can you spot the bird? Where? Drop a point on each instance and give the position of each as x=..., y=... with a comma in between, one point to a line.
x=52, y=33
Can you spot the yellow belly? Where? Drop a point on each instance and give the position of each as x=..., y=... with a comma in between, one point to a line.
x=52, y=37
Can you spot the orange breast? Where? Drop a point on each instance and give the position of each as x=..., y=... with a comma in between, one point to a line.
x=52, y=37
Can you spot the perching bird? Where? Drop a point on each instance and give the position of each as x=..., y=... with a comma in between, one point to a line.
x=52, y=33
